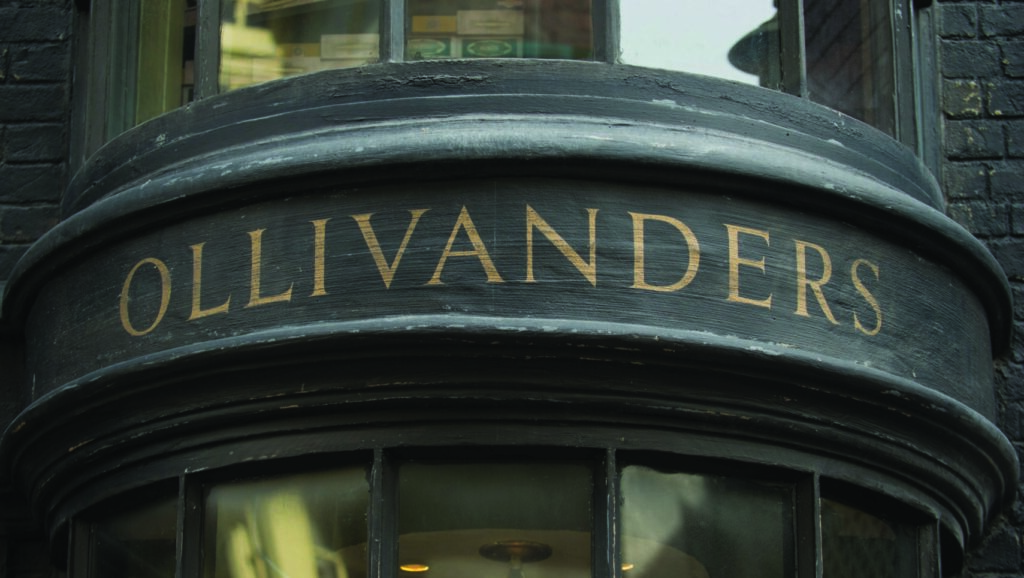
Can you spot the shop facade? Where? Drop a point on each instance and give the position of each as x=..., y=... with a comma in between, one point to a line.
x=382, y=288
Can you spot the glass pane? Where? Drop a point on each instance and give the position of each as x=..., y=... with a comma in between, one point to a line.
x=139, y=543
x=678, y=525
x=265, y=40
x=495, y=520
x=850, y=59
x=161, y=63
x=733, y=39
x=151, y=77
x=855, y=544
x=498, y=29
x=302, y=526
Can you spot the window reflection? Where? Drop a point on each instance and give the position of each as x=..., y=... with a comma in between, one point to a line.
x=304, y=526
x=139, y=543
x=850, y=59
x=496, y=520
x=265, y=40
x=677, y=525
x=855, y=543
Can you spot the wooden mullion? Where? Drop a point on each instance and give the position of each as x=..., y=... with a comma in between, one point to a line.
x=808, y=527
x=208, y=55
x=793, y=51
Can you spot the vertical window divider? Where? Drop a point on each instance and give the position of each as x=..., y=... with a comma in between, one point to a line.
x=808, y=527
x=78, y=549
x=392, y=31
x=189, y=528
x=930, y=561
x=607, y=560
x=905, y=77
x=605, y=35
x=120, y=28
x=382, y=550
x=925, y=69
x=207, y=81
x=90, y=102
x=793, y=47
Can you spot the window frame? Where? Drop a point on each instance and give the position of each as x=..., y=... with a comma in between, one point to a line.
x=913, y=50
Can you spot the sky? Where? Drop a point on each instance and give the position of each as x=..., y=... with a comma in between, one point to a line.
x=690, y=35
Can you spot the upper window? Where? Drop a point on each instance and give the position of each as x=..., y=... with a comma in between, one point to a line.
x=147, y=57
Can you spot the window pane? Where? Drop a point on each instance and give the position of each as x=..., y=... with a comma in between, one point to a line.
x=733, y=39
x=855, y=544
x=161, y=57
x=146, y=67
x=304, y=526
x=265, y=40
x=850, y=58
x=498, y=29
x=678, y=525
x=496, y=519
x=139, y=543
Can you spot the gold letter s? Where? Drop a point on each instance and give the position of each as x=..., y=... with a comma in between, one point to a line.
x=867, y=297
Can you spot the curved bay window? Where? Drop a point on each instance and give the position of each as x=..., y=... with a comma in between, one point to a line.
x=509, y=289
x=519, y=518
x=853, y=56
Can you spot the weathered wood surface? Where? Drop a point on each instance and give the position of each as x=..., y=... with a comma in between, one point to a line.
x=550, y=255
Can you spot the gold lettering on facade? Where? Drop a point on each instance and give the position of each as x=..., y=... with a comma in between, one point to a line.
x=802, y=282
x=735, y=262
x=866, y=294
x=748, y=251
x=479, y=250
x=256, y=274
x=535, y=221
x=639, y=252
x=387, y=272
x=197, y=287
x=319, y=255
x=165, y=296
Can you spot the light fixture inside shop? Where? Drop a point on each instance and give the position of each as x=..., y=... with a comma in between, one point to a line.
x=516, y=553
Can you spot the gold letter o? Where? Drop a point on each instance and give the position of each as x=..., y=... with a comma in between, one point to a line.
x=165, y=296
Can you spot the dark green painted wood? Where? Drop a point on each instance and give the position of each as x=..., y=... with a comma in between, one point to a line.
x=884, y=308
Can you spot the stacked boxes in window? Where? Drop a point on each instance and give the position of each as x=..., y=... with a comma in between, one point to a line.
x=491, y=33
x=477, y=33
x=432, y=37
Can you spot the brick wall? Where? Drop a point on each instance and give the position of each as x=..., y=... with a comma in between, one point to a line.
x=982, y=64
x=35, y=73
x=35, y=67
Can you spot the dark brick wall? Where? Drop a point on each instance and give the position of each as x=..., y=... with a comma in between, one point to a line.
x=35, y=87
x=35, y=71
x=982, y=83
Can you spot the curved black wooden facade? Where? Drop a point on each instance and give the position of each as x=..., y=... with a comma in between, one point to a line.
x=509, y=253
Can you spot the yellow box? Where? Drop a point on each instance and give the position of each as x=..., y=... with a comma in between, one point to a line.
x=490, y=22
x=299, y=50
x=349, y=46
x=434, y=24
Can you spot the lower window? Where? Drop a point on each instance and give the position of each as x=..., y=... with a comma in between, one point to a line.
x=561, y=517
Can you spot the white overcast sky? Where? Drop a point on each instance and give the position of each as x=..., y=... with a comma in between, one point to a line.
x=691, y=35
